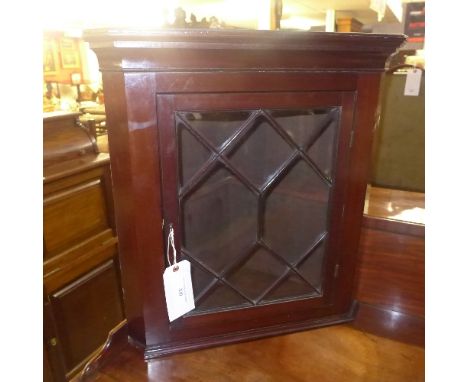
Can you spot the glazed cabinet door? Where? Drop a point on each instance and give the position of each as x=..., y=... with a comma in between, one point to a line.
x=253, y=186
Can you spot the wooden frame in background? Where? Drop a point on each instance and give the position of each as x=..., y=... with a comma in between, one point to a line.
x=69, y=54
x=50, y=58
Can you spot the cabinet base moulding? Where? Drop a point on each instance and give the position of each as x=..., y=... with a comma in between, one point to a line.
x=151, y=352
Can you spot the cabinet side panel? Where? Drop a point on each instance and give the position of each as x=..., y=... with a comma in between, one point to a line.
x=365, y=119
x=145, y=177
x=116, y=110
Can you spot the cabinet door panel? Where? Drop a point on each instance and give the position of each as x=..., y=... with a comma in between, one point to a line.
x=252, y=191
x=85, y=311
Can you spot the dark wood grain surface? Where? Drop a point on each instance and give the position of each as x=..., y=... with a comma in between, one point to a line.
x=169, y=50
x=391, y=271
x=390, y=324
x=390, y=282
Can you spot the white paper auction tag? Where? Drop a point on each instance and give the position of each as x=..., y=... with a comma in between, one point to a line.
x=413, y=82
x=178, y=289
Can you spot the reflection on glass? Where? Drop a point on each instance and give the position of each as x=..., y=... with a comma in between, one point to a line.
x=261, y=153
x=296, y=212
x=292, y=287
x=323, y=150
x=220, y=220
x=217, y=126
x=192, y=154
x=260, y=271
x=311, y=267
x=313, y=131
x=303, y=126
x=200, y=279
x=221, y=297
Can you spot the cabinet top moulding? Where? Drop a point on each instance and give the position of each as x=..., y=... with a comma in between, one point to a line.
x=180, y=49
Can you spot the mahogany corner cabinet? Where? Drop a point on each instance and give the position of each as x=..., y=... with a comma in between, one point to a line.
x=254, y=147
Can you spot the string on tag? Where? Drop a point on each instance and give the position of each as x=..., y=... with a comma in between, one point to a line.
x=170, y=243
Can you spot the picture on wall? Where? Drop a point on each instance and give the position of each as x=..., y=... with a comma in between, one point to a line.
x=69, y=54
x=49, y=58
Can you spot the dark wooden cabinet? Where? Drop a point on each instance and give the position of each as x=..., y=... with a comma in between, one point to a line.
x=254, y=148
x=82, y=293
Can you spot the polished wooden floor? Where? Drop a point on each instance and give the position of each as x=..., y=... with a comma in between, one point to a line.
x=333, y=354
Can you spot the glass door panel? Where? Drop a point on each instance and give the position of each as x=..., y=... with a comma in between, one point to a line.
x=253, y=192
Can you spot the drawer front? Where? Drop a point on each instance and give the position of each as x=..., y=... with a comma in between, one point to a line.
x=74, y=214
x=61, y=270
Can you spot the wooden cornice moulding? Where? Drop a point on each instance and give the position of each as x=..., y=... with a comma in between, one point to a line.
x=275, y=50
x=229, y=338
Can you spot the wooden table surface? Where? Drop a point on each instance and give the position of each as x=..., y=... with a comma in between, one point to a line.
x=393, y=204
x=337, y=353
